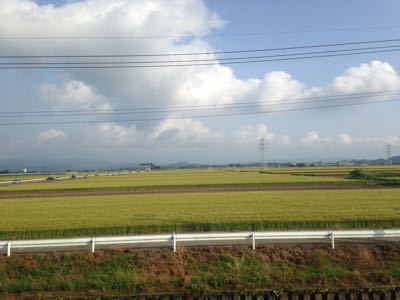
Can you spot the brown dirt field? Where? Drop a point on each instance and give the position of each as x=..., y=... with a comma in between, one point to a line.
x=292, y=187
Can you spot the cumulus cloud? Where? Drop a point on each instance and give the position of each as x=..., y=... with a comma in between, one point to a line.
x=312, y=138
x=280, y=85
x=380, y=141
x=345, y=139
x=73, y=94
x=185, y=131
x=171, y=20
x=369, y=77
x=111, y=132
x=252, y=133
x=216, y=85
x=180, y=27
x=376, y=76
x=50, y=135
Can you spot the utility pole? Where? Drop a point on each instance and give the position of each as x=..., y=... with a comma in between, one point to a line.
x=262, y=146
x=389, y=154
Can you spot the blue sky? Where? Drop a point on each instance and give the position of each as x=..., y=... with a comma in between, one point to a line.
x=343, y=133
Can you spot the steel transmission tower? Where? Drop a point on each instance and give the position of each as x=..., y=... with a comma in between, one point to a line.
x=262, y=145
x=389, y=154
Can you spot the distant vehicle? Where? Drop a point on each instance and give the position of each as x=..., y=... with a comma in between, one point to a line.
x=58, y=179
x=50, y=178
x=73, y=176
x=86, y=176
x=17, y=181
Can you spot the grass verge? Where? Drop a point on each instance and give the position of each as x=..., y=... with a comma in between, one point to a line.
x=202, y=270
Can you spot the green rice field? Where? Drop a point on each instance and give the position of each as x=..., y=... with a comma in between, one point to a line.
x=192, y=212
x=188, y=178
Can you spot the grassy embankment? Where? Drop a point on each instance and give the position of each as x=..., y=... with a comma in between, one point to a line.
x=197, y=271
x=192, y=212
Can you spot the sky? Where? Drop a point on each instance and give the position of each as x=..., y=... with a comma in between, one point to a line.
x=173, y=26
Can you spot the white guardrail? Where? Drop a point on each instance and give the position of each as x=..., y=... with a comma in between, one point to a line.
x=199, y=239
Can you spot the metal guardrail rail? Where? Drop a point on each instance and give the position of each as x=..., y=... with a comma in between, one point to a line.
x=200, y=239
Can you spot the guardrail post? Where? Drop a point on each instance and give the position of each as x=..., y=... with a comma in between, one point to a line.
x=253, y=239
x=333, y=241
x=93, y=244
x=9, y=248
x=174, y=241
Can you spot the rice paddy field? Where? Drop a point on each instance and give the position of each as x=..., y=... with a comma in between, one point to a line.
x=126, y=214
x=174, y=179
x=327, y=198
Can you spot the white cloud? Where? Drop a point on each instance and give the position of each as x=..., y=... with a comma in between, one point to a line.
x=311, y=138
x=372, y=77
x=167, y=19
x=112, y=133
x=252, y=133
x=185, y=131
x=50, y=135
x=393, y=140
x=263, y=132
x=380, y=141
x=165, y=86
x=73, y=94
x=375, y=76
x=345, y=139
x=106, y=89
x=216, y=85
x=280, y=85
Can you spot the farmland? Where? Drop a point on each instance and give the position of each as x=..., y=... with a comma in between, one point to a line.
x=204, y=178
x=123, y=214
x=180, y=179
x=199, y=200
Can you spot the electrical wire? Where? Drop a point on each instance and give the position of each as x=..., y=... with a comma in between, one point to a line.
x=198, y=60
x=221, y=105
x=193, y=65
x=207, y=53
x=243, y=34
x=232, y=106
x=194, y=117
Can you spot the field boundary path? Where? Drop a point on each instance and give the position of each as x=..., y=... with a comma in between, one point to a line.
x=176, y=240
x=177, y=190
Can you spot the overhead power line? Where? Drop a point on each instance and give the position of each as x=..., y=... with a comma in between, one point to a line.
x=397, y=47
x=239, y=34
x=207, y=53
x=195, y=116
x=230, y=106
x=128, y=66
x=141, y=109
